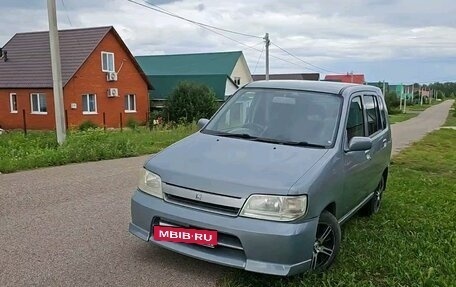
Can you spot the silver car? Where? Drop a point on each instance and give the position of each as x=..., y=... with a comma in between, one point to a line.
x=273, y=175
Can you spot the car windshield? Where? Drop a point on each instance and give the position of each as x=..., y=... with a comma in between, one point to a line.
x=279, y=116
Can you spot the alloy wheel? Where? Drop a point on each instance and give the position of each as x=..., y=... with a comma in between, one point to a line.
x=378, y=194
x=324, y=246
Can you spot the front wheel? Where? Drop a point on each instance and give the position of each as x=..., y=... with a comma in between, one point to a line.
x=327, y=242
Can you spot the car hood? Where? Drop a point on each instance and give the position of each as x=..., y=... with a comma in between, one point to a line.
x=232, y=166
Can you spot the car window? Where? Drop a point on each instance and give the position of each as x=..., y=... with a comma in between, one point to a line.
x=372, y=114
x=280, y=115
x=355, y=122
x=382, y=112
x=236, y=115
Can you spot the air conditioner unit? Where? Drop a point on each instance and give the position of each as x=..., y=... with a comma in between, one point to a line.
x=113, y=92
x=111, y=76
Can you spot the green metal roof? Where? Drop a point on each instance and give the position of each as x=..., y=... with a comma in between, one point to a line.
x=189, y=64
x=165, y=84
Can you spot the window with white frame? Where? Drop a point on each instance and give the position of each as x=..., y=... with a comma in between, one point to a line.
x=130, y=103
x=13, y=102
x=107, y=62
x=89, y=104
x=38, y=103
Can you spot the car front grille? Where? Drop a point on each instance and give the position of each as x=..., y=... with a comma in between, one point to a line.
x=202, y=200
x=227, y=210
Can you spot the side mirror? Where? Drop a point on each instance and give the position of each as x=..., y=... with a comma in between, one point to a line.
x=360, y=144
x=201, y=123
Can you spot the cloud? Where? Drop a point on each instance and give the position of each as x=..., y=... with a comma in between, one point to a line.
x=357, y=35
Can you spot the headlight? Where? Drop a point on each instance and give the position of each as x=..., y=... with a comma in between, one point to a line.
x=277, y=208
x=150, y=183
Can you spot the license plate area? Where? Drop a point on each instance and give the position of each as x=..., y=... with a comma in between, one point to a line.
x=172, y=233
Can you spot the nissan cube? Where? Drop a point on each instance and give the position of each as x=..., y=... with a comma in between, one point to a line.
x=270, y=178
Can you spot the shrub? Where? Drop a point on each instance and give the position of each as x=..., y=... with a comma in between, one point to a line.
x=392, y=101
x=158, y=115
x=87, y=125
x=190, y=101
x=132, y=123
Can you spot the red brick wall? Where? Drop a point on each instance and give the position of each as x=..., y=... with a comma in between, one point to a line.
x=10, y=120
x=89, y=79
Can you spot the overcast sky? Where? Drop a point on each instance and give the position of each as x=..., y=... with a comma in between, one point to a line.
x=392, y=40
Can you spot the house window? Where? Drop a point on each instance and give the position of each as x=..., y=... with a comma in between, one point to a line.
x=107, y=62
x=38, y=102
x=237, y=80
x=89, y=104
x=130, y=103
x=13, y=103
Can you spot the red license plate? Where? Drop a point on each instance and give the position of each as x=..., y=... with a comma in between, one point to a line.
x=185, y=235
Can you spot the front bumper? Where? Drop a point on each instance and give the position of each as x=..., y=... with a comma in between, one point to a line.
x=268, y=247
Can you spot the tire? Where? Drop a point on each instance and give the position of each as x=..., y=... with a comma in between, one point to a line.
x=327, y=242
x=373, y=205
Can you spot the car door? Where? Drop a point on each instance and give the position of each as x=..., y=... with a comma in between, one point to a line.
x=378, y=131
x=378, y=134
x=356, y=163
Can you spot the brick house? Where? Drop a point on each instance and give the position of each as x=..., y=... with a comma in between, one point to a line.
x=348, y=78
x=102, y=82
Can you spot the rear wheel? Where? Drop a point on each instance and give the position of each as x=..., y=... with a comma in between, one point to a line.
x=373, y=206
x=327, y=242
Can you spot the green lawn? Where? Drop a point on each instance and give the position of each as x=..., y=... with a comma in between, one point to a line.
x=396, y=118
x=39, y=149
x=418, y=107
x=410, y=242
x=451, y=120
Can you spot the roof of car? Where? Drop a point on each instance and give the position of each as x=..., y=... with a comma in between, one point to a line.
x=317, y=86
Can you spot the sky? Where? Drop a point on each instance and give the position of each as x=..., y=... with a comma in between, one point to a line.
x=399, y=41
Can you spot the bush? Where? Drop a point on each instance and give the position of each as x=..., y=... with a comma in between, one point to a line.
x=132, y=123
x=392, y=101
x=158, y=115
x=87, y=125
x=189, y=102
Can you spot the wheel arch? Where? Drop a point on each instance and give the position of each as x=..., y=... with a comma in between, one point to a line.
x=331, y=208
x=385, y=174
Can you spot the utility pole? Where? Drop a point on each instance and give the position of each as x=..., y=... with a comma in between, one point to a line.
x=405, y=100
x=267, y=42
x=421, y=96
x=56, y=73
x=384, y=89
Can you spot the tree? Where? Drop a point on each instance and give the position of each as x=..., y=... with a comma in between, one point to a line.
x=392, y=101
x=191, y=101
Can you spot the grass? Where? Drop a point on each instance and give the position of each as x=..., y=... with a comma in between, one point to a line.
x=420, y=108
x=410, y=242
x=451, y=120
x=39, y=149
x=412, y=111
x=396, y=118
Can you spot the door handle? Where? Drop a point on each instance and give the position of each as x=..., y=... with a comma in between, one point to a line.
x=368, y=156
x=384, y=142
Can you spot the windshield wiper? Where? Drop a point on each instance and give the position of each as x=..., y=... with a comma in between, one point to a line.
x=292, y=143
x=230, y=135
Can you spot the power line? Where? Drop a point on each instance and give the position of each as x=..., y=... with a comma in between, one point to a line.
x=305, y=62
x=66, y=13
x=206, y=27
x=164, y=11
x=199, y=25
x=254, y=70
